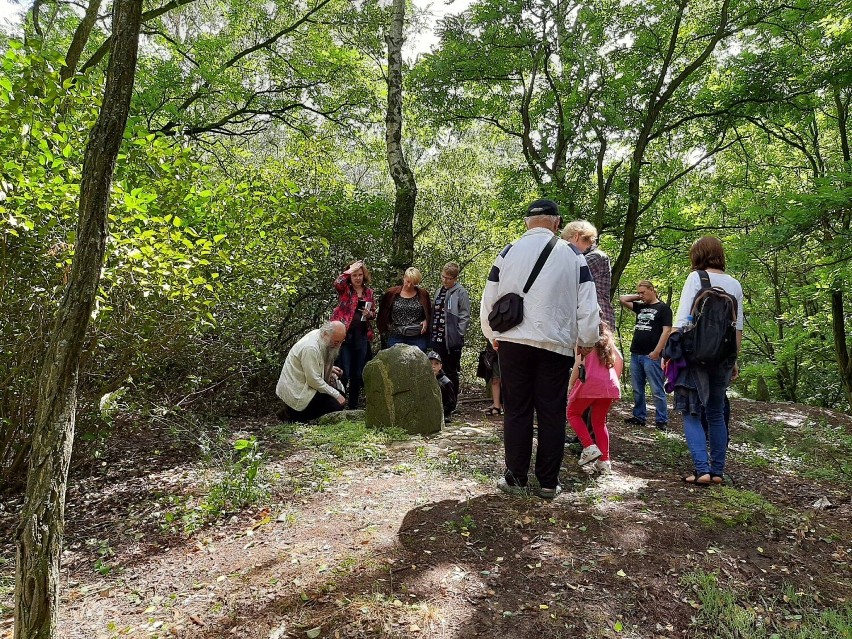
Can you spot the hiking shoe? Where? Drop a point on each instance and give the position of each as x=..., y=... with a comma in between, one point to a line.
x=662, y=426
x=603, y=467
x=589, y=454
x=548, y=493
x=634, y=421
x=512, y=489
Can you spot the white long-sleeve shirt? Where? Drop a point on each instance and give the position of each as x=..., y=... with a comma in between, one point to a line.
x=693, y=284
x=305, y=372
x=560, y=310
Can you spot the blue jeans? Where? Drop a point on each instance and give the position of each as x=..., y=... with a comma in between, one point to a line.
x=642, y=369
x=717, y=431
x=419, y=341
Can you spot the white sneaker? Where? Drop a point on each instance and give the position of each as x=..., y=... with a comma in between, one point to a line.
x=603, y=467
x=589, y=454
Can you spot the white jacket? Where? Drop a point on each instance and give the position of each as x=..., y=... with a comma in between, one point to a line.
x=561, y=308
x=305, y=373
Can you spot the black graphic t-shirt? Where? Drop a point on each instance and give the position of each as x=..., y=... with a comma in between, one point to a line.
x=439, y=317
x=650, y=321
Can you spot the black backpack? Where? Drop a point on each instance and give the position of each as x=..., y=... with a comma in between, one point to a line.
x=712, y=338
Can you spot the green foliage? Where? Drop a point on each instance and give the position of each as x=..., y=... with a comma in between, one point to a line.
x=730, y=614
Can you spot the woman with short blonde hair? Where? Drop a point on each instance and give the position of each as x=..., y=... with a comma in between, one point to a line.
x=405, y=312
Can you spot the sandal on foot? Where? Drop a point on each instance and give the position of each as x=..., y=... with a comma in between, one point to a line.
x=494, y=410
x=716, y=479
x=698, y=479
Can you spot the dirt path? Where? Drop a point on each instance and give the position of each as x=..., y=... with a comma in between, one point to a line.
x=410, y=539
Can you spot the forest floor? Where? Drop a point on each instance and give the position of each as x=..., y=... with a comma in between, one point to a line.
x=351, y=533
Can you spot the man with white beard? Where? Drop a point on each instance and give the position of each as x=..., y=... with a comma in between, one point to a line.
x=308, y=383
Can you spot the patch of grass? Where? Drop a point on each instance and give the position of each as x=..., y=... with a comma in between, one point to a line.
x=670, y=450
x=816, y=450
x=347, y=441
x=764, y=432
x=729, y=614
x=733, y=507
x=456, y=464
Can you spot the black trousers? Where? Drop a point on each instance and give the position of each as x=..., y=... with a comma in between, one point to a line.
x=534, y=380
x=450, y=362
x=320, y=405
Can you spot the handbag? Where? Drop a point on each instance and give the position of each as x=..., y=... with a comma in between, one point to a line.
x=412, y=330
x=508, y=310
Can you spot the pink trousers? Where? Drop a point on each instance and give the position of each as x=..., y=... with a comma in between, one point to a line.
x=600, y=408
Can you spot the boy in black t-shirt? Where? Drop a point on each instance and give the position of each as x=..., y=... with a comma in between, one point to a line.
x=653, y=326
x=448, y=392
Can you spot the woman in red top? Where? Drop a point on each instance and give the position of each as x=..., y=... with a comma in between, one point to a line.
x=356, y=306
x=595, y=384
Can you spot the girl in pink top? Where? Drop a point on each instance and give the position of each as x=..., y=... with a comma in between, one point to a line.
x=595, y=385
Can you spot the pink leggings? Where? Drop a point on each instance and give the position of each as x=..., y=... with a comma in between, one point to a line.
x=600, y=408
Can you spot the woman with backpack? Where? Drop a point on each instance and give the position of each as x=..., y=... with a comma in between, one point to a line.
x=710, y=320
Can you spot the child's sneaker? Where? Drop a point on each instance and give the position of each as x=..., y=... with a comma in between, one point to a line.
x=589, y=454
x=603, y=467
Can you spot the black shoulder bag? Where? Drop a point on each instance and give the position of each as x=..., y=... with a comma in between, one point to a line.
x=508, y=311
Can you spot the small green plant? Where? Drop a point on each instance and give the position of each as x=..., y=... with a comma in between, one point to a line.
x=734, y=507
x=463, y=525
x=729, y=613
x=105, y=552
x=240, y=483
x=671, y=450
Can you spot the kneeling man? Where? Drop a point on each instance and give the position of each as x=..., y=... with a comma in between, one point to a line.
x=308, y=381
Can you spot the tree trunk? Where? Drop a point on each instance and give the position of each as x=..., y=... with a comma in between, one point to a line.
x=39, y=535
x=78, y=42
x=840, y=348
x=402, y=251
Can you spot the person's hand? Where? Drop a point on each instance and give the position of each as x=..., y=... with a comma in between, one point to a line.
x=496, y=345
x=736, y=372
x=354, y=266
x=337, y=371
x=584, y=350
x=341, y=400
x=654, y=355
x=423, y=326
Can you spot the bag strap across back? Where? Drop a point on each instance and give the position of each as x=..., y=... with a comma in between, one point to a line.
x=540, y=263
x=705, y=286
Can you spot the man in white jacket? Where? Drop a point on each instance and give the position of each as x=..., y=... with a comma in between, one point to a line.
x=308, y=383
x=536, y=356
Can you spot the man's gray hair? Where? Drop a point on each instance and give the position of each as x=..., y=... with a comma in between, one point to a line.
x=540, y=219
x=327, y=328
